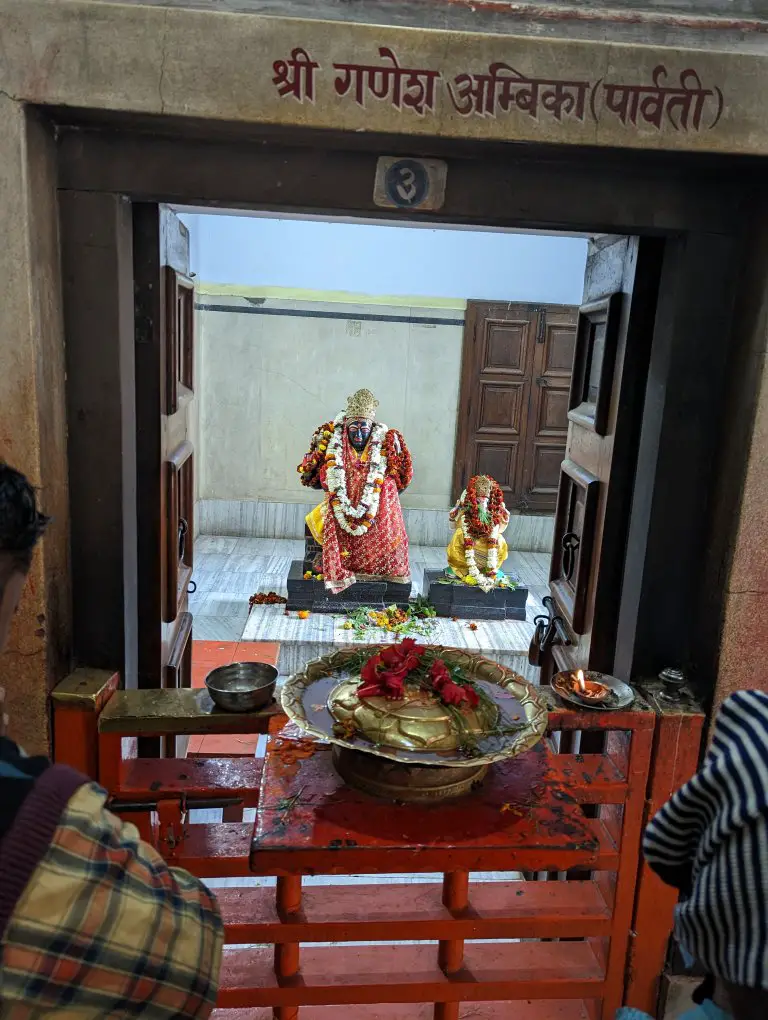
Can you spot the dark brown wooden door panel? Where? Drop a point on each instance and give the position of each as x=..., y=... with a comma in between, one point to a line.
x=505, y=346
x=500, y=408
x=180, y=508
x=516, y=375
x=574, y=540
x=552, y=416
x=545, y=472
x=560, y=340
x=547, y=427
x=595, y=485
x=164, y=318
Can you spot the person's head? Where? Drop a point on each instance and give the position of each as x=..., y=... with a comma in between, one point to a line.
x=21, y=525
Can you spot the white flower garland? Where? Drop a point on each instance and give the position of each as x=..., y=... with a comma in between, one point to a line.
x=485, y=580
x=336, y=479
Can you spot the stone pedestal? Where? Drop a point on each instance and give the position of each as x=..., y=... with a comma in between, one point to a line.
x=313, y=552
x=313, y=595
x=466, y=602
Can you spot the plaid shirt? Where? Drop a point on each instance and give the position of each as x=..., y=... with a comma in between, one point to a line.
x=103, y=927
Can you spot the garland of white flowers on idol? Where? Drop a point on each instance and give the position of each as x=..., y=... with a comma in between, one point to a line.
x=336, y=478
x=485, y=580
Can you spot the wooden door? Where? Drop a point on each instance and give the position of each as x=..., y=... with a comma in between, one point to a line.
x=164, y=323
x=512, y=425
x=613, y=338
x=547, y=425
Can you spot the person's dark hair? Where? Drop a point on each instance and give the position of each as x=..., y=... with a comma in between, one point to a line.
x=21, y=523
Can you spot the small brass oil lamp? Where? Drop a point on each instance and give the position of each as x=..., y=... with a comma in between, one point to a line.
x=591, y=691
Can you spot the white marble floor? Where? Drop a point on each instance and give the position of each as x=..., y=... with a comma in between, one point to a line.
x=229, y=570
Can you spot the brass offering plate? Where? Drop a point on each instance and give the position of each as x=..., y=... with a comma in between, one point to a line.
x=412, y=731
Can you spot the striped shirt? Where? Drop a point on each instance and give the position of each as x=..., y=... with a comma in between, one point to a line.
x=711, y=841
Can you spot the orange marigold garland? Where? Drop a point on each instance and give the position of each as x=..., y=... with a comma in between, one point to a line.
x=396, y=453
x=399, y=461
x=316, y=458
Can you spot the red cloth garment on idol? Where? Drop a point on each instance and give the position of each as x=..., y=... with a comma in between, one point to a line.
x=382, y=551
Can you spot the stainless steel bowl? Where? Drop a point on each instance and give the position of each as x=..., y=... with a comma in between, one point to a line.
x=242, y=686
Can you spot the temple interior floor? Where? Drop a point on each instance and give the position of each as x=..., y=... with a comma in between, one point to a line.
x=229, y=570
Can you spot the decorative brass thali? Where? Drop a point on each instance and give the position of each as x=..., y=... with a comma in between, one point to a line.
x=411, y=732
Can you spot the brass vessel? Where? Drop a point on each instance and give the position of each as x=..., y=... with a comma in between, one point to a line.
x=419, y=722
x=392, y=780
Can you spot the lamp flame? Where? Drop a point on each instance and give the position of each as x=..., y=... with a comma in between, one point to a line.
x=580, y=678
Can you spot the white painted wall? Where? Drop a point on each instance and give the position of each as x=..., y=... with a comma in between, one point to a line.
x=378, y=259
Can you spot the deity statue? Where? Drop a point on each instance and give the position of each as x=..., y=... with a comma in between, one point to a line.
x=363, y=466
x=477, y=550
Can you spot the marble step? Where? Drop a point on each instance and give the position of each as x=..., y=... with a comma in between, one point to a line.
x=503, y=641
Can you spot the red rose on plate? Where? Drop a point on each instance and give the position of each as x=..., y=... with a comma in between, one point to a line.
x=393, y=685
x=407, y=654
x=439, y=673
x=471, y=696
x=450, y=692
x=383, y=676
x=390, y=657
x=371, y=677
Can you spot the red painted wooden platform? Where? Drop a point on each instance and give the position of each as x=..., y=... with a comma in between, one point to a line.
x=579, y=815
x=527, y=816
x=546, y=1010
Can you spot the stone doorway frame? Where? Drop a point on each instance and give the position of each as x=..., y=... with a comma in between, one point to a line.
x=700, y=390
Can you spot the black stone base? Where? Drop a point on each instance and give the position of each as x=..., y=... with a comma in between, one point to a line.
x=466, y=602
x=313, y=553
x=313, y=595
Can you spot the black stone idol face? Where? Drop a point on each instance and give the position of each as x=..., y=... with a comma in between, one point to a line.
x=359, y=432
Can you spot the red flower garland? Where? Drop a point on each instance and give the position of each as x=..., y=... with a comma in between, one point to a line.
x=448, y=690
x=314, y=460
x=495, y=511
x=384, y=676
x=399, y=463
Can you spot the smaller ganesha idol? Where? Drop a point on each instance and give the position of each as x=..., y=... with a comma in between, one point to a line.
x=477, y=549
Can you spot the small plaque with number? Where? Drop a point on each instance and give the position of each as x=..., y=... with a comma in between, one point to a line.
x=408, y=183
